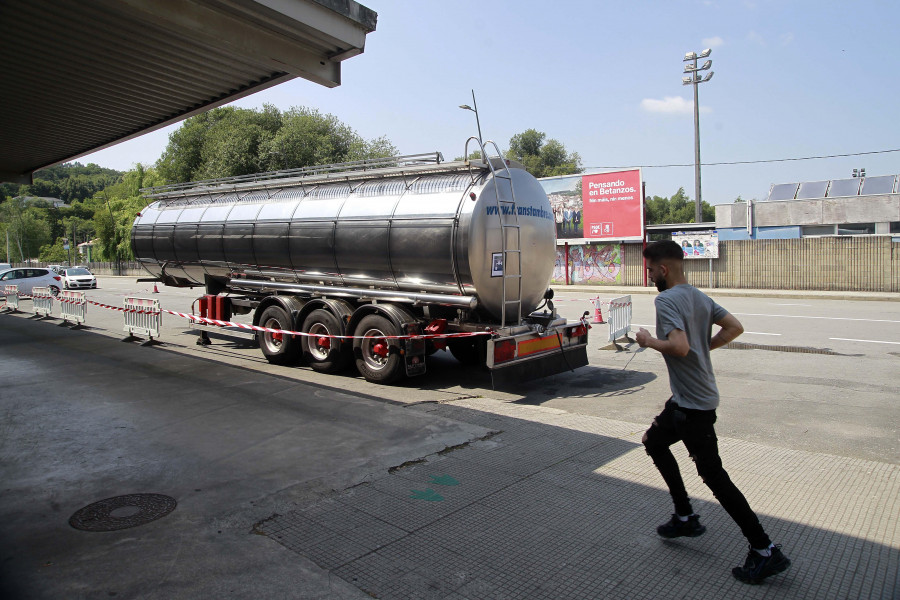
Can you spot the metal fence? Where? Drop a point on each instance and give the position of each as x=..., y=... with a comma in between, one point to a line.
x=12, y=296
x=143, y=317
x=619, y=317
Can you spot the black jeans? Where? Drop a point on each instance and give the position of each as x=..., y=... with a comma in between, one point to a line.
x=695, y=429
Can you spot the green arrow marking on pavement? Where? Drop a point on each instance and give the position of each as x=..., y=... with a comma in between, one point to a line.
x=429, y=494
x=443, y=480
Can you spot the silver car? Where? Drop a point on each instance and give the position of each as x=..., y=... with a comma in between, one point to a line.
x=78, y=278
x=30, y=277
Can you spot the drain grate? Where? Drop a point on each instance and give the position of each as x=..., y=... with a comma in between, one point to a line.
x=122, y=512
x=774, y=348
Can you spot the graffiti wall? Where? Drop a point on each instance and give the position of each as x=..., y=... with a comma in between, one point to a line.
x=590, y=264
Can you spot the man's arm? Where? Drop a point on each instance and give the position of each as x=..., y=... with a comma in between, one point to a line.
x=731, y=328
x=675, y=344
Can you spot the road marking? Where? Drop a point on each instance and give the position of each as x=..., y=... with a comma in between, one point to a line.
x=869, y=341
x=745, y=333
x=789, y=304
x=810, y=317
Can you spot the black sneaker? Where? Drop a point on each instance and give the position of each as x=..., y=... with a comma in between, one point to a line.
x=758, y=567
x=678, y=528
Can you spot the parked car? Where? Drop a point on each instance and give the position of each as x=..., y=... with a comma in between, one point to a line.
x=78, y=278
x=31, y=277
x=5, y=266
x=57, y=268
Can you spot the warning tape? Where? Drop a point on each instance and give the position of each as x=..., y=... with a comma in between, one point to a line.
x=207, y=320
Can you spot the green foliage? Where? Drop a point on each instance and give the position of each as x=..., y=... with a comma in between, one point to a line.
x=543, y=158
x=677, y=209
x=54, y=253
x=230, y=141
x=27, y=227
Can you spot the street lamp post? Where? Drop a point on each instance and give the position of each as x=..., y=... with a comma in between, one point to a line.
x=695, y=78
x=477, y=121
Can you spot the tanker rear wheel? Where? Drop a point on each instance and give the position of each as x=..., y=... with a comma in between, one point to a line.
x=470, y=351
x=279, y=349
x=323, y=353
x=377, y=360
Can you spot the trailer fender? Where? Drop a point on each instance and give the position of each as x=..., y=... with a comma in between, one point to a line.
x=339, y=308
x=397, y=315
x=291, y=304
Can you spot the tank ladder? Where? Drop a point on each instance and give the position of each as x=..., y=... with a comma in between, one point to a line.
x=511, y=249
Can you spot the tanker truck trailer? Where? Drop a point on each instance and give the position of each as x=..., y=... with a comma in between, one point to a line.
x=376, y=262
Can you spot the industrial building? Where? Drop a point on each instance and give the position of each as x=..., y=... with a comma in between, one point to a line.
x=859, y=206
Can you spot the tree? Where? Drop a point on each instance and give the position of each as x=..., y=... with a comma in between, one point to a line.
x=228, y=141
x=677, y=209
x=540, y=158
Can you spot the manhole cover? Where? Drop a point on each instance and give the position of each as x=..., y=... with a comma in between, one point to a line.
x=122, y=512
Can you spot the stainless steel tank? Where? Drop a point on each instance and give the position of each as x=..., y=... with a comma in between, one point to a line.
x=435, y=230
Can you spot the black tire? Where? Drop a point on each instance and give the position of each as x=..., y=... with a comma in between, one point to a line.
x=326, y=355
x=277, y=348
x=470, y=351
x=54, y=291
x=378, y=360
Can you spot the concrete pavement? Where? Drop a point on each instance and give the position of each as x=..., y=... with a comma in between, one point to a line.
x=289, y=490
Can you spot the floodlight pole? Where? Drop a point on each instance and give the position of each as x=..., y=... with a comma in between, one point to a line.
x=695, y=79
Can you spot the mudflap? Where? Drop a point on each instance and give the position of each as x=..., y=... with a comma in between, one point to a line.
x=549, y=364
x=414, y=355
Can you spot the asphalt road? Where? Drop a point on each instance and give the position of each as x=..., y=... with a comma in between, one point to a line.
x=815, y=374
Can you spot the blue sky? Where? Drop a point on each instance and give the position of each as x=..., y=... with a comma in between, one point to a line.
x=792, y=79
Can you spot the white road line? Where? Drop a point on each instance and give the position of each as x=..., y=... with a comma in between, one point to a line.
x=811, y=317
x=869, y=341
x=745, y=333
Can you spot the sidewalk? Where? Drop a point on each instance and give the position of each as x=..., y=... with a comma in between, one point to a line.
x=556, y=505
x=616, y=290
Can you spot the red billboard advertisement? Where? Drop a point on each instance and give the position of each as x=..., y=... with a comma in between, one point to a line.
x=613, y=206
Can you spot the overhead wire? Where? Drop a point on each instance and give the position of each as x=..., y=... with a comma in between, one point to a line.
x=750, y=162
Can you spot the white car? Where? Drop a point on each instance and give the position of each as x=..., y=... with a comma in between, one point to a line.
x=31, y=277
x=78, y=278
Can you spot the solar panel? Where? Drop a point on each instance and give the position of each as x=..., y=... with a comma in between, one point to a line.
x=844, y=187
x=883, y=184
x=812, y=189
x=783, y=191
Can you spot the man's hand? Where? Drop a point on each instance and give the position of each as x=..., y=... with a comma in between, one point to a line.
x=676, y=344
x=642, y=337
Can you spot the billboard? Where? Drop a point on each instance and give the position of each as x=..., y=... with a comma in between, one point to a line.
x=613, y=205
x=597, y=207
x=698, y=244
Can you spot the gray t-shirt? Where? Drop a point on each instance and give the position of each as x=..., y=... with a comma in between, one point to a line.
x=691, y=377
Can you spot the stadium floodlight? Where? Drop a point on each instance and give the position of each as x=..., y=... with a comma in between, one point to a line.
x=695, y=78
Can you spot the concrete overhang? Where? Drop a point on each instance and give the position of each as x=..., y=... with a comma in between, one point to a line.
x=80, y=76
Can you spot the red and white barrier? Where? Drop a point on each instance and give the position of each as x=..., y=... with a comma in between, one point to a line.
x=12, y=297
x=619, y=317
x=42, y=301
x=72, y=307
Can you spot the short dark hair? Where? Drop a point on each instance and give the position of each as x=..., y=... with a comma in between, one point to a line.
x=663, y=250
